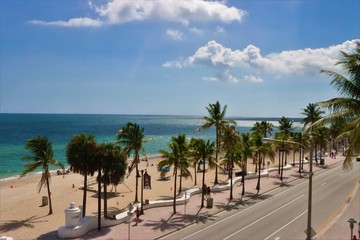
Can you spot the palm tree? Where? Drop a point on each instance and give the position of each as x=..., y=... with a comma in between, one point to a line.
x=206, y=151
x=194, y=158
x=80, y=154
x=184, y=151
x=262, y=150
x=299, y=138
x=263, y=128
x=246, y=152
x=285, y=126
x=231, y=144
x=114, y=165
x=216, y=119
x=312, y=114
x=283, y=146
x=321, y=137
x=347, y=106
x=173, y=158
x=42, y=156
x=132, y=137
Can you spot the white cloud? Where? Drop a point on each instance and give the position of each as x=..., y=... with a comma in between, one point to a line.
x=211, y=79
x=196, y=31
x=174, y=34
x=254, y=79
x=74, y=22
x=295, y=62
x=219, y=30
x=122, y=11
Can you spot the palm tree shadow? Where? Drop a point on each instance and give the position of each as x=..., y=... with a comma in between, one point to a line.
x=12, y=225
x=283, y=184
x=227, y=206
x=203, y=218
x=166, y=224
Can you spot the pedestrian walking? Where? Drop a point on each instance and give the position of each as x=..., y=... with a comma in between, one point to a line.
x=137, y=213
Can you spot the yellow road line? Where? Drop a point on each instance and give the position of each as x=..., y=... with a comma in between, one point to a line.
x=339, y=209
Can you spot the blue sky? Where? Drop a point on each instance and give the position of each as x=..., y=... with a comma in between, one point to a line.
x=261, y=58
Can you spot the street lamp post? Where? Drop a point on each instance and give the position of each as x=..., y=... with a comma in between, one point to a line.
x=351, y=222
x=309, y=229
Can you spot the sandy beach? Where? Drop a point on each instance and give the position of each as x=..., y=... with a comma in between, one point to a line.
x=23, y=217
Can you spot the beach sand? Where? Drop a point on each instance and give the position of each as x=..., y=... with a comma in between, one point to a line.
x=23, y=217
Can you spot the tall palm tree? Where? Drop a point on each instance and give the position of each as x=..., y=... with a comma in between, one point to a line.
x=335, y=129
x=299, y=138
x=263, y=128
x=194, y=158
x=184, y=152
x=286, y=126
x=283, y=147
x=114, y=165
x=321, y=138
x=174, y=159
x=262, y=150
x=80, y=154
x=312, y=114
x=216, y=119
x=346, y=107
x=231, y=144
x=42, y=156
x=206, y=151
x=246, y=153
x=132, y=137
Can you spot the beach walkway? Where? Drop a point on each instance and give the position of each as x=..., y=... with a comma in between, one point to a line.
x=159, y=221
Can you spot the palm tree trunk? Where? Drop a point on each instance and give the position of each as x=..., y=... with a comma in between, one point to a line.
x=180, y=185
x=203, y=184
x=99, y=198
x=243, y=185
x=279, y=162
x=300, y=162
x=137, y=179
x=282, y=165
x=231, y=180
x=84, y=194
x=258, y=183
x=174, y=200
x=195, y=175
x=294, y=158
x=217, y=154
x=105, y=200
x=49, y=193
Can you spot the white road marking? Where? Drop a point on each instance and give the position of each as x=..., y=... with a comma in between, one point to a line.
x=304, y=182
x=263, y=217
x=285, y=226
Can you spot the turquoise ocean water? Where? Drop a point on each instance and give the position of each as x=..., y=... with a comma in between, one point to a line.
x=16, y=129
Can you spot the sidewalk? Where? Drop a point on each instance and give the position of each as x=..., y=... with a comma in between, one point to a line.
x=159, y=221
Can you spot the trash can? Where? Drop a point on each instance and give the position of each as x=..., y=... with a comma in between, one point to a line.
x=322, y=161
x=44, y=201
x=209, y=202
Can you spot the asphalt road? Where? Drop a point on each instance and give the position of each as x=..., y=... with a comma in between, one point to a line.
x=282, y=212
